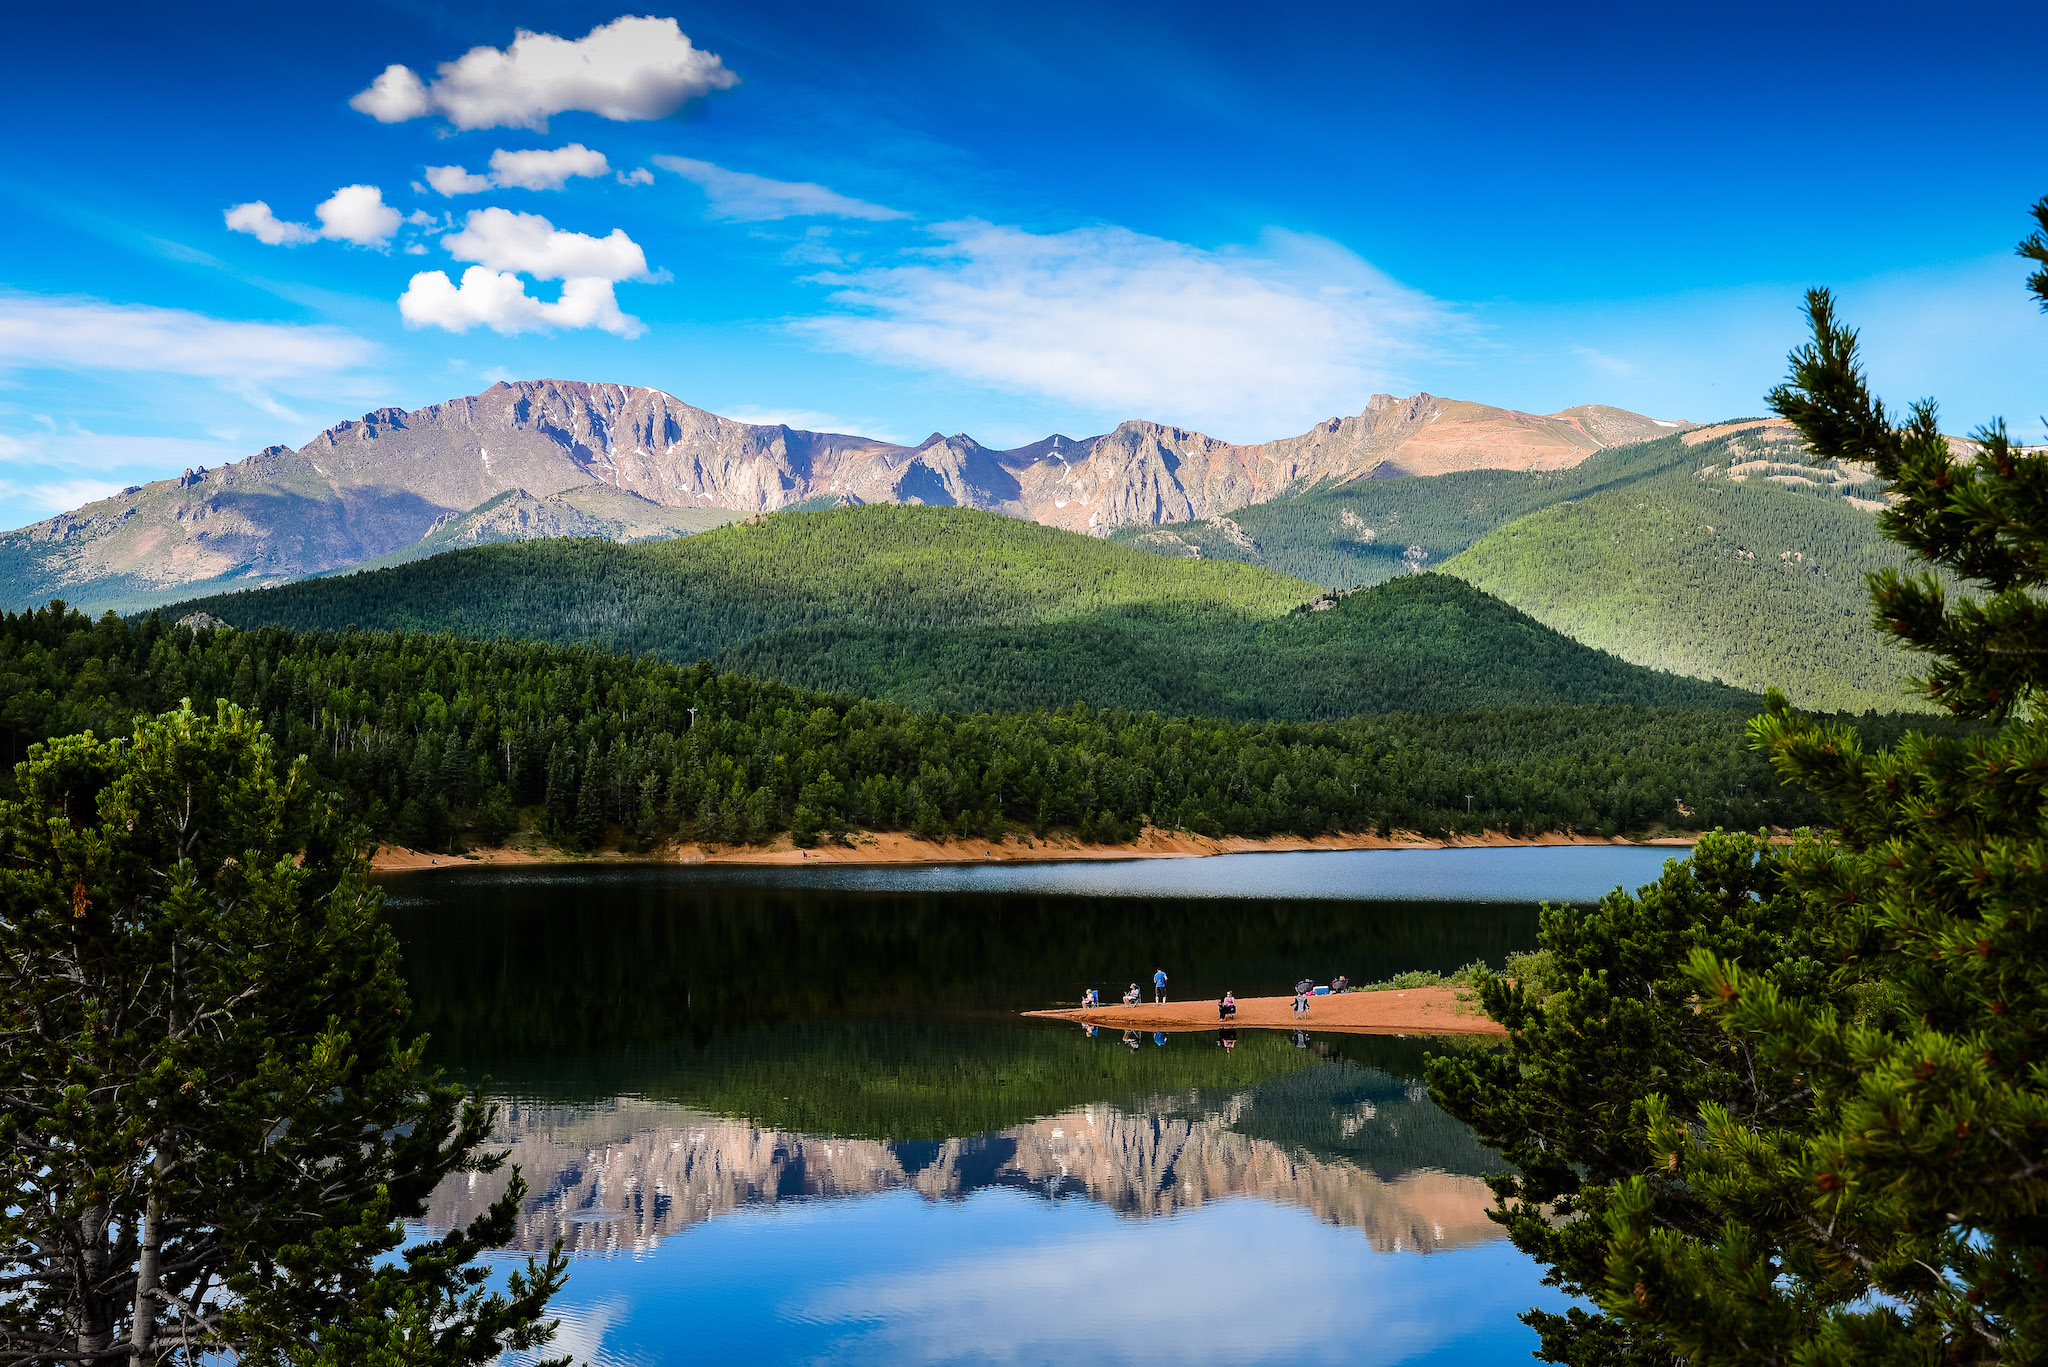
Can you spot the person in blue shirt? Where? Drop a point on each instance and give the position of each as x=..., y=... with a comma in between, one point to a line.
x=1158, y=984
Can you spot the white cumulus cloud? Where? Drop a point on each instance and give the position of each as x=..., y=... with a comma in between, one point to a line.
x=506, y=246
x=258, y=221
x=538, y=168
x=358, y=214
x=498, y=300
x=748, y=198
x=530, y=245
x=455, y=180
x=1249, y=343
x=632, y=68
x=354, y=213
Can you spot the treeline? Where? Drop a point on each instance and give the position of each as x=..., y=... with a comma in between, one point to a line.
x=433, y=739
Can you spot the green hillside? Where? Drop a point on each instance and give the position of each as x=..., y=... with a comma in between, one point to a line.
x=1759, y=584
x=953, y=609
x=1616, y=553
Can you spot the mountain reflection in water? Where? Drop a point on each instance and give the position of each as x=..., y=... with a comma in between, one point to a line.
x=624, y=1175
x=810, y=1123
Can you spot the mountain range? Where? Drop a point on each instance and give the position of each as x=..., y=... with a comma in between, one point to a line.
x=550, y=458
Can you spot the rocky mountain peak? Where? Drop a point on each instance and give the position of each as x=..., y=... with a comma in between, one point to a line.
x=371, y=486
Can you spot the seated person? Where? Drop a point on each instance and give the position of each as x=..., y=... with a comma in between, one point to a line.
x=1132, y=997
x=1226, y=1008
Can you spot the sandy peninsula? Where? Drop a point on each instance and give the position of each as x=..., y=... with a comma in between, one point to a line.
x=1416, y=1011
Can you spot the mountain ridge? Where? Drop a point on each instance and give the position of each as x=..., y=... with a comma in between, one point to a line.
x=371, y=486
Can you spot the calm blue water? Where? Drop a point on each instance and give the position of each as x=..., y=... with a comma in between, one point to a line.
x=791, y=1116
x=1557, y=873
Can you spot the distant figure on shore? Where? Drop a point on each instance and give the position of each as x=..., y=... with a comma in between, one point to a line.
x=1302, y=991
x=1158, y=984
x=1132, y=996
x=1226, y=1008
x=1340, y=983
x=1091, y=998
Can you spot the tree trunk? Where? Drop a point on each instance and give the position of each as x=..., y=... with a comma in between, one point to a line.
x=95, y=1324
x=142, y=1332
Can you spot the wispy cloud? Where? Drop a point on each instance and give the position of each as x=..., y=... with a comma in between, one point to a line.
x=1601, y=361
x=631, y=68
x=42, y=333
x=1246, y=342
x=747, y=198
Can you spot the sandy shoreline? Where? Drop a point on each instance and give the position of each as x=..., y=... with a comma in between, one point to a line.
x=894, y=847
x=1416, y=1011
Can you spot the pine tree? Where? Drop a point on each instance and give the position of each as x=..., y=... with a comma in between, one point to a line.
x=560, y=797
x=212, y=1123
x=590, y=802
x=1910, y=1224
x=1823, y=1140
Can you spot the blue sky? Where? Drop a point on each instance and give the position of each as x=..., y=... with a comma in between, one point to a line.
x=895, y=218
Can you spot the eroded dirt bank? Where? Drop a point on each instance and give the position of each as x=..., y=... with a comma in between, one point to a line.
x=1418, y=1010
x=893, y=847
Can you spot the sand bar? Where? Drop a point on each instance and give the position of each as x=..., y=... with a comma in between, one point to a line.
x=1416, y=1011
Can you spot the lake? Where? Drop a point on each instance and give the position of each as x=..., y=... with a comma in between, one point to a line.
x=789, y=1115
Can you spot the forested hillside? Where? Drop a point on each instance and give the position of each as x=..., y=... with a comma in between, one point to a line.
x=1757, y=580
x=423, y=736
x=1713, y=554
x=945, y=608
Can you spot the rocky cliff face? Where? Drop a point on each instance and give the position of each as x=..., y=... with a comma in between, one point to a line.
x=375, y=485
x=630, y=1175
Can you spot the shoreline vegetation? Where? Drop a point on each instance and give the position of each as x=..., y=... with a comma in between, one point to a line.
x=889, y=848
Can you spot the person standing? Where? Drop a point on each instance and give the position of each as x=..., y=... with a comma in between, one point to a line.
x=1158, y=985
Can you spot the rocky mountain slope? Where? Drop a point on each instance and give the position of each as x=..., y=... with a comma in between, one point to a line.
x=373, y=486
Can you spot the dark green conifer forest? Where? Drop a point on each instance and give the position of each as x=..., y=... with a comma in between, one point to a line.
x=433, y=740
